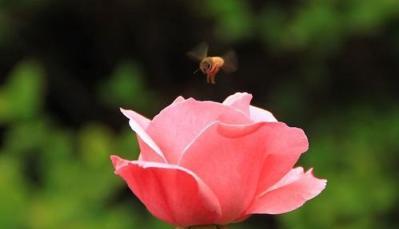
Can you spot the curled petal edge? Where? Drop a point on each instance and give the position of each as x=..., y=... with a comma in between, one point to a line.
x=288, y=194
x=210, y=199
x=139, y=125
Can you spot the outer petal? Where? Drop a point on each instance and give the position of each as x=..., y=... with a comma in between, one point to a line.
x=239, y=101
x=149, y=149
x=169, y=192
x=142, y=121
x=291, y=192
x=179, y=100
x=229, y=159
x=177, y=125
x=285, y=146
x=260, y=115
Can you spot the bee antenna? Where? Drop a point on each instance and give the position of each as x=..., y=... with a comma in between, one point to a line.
x=196, y=71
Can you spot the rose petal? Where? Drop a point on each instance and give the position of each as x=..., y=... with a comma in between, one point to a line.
x=229, y=159
x=239, y=101
x=260, y=115
x=169, y=192
x=149, y=149
x=142, y=121
x=179, y=100
x=177, y=125
x=285, y=146
x=291, y=192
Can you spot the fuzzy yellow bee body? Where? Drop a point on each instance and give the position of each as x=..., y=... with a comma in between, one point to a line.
x=211, y=65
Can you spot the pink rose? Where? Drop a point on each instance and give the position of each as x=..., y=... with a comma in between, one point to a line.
x=208, y=163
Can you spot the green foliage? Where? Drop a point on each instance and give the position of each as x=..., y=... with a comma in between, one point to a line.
x=356, y=162
x=323, y=24
x=21, y=97
x=233, y=19
x=54, y=177
x=126, y=86
x=14, y=193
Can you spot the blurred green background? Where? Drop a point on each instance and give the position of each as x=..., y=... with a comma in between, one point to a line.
x=66, y=66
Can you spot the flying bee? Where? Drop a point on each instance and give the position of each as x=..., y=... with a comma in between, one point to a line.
x=211, y=65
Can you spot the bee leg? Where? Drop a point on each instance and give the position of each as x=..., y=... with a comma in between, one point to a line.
x=208, y=77
x=213, y=79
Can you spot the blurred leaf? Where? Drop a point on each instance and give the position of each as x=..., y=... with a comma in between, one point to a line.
x=26, y=137
x=96, y=143
x=272, y=24
x=13, y=193
x=127, y=145
x=233, y=19
x=317, y=24
x=126, y=88
x=21, y=96
x=359, y=188
x=363, y=15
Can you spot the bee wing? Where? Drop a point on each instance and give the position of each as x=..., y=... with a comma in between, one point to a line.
x=199, y=52
x=230, y=62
